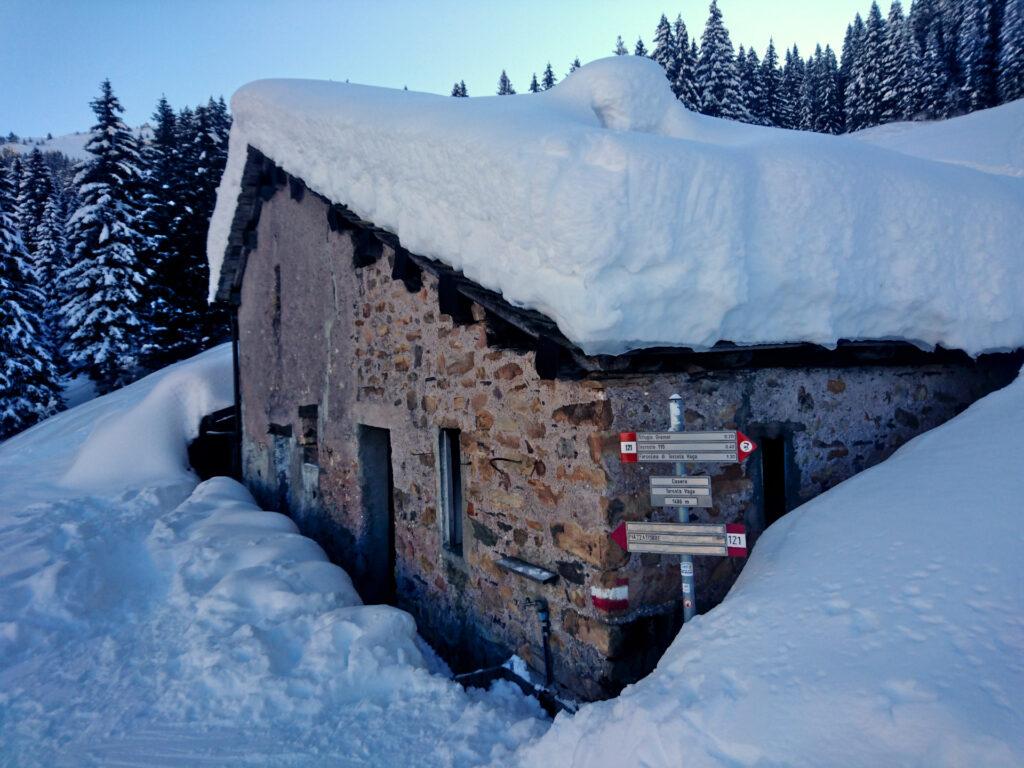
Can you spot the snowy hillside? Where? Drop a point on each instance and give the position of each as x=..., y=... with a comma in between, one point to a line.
x=147, y=621
x=990, y=140
x=881, y=624
x=632, y=222
x=71, y=144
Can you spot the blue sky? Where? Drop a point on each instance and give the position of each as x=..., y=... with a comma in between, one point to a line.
x=54, y=54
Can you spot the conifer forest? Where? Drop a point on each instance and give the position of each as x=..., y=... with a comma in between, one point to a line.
x=103, y=271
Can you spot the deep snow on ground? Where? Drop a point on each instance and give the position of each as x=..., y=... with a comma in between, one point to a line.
x=633, y=222
x=990, y=140
x=146, y=621
x=881, y=624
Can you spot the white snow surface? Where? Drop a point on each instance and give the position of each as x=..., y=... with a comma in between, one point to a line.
x=146, y=620
x=990, y=140
x=70, y=144
x=881, y=624
x=632, y=222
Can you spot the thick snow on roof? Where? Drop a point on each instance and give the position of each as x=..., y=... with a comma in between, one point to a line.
x=633, y=222
x=881, y=623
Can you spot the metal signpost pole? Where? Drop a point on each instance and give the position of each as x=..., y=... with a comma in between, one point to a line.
x=675, y=412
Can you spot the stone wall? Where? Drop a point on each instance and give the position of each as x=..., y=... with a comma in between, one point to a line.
x=326, y=347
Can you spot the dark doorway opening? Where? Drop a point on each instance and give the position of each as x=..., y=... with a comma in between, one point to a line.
x=377, y=489
x=773, y=478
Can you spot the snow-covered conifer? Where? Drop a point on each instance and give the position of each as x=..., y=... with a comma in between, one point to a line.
x=792, y=89
x=896, y=67
x=103, y=309
x=753, y=88
x=505, y=85
x=855, y=106
x=620, y=47
x=771, y=87
x=534, y=85
x=1011, y=52
x=35, y=187
x=685, y=86
x=717, y=79
x=639, y=49
x=934, y=80
x=665, y=51
x=977, y=55
x=830, y=115
x=575, y=65
x=547, y=80
x=29, y=385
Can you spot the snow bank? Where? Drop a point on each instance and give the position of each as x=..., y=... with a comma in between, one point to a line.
x=147, y=621
x=881, y=623
x=990, y=140
x=152, y=437
x=632, y=222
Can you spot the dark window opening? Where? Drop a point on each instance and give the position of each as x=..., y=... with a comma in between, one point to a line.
x=376, y=485
x=773, y=478
x=308, y=434
x=451, y=489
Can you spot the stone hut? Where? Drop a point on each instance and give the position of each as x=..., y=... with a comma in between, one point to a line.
x=458, y=455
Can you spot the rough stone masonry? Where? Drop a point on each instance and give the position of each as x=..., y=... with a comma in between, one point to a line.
x=328, y=349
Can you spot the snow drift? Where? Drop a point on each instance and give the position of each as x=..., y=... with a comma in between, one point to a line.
x=632, y=222
x=148, y=621
x=881, y=623
x=991, y=140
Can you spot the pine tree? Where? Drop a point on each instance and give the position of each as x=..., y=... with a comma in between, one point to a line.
x=871, y=72
x=162, y=224
x=102, y=311
x=52, y=260
x=753, y=88
x=459, y=89
x=35, y=186
x=534, y=85
x=665, y=52
x=29, y=385
x=620, y=47
x=855, y=106
x=505, y=85
x=977, y=54
x=639, y=49
x=894, y=67
x=771, y=88
x=810, y=92
x=547, y=80
x=717, y=80
x=792, y=89
x=831, y=117
x=934, y=76
x=685, y=86
x=575, y=65
x=1011, y=52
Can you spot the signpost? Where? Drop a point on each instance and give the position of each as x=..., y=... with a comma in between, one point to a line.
x=727, y=540
x=686, y=539
x=673, y=491
x=726, y=446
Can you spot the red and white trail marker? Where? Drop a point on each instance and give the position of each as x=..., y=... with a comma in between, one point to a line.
x=727, y=446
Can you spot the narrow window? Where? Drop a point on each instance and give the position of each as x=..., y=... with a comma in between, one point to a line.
x=451, y=489
x=308, y=434
x=773, y=474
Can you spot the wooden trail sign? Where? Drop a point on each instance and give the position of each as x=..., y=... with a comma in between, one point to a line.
x=726, y=446
x=682, y=538
x=681, y=491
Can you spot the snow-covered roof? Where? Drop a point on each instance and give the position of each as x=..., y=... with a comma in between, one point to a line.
x=632, y=222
